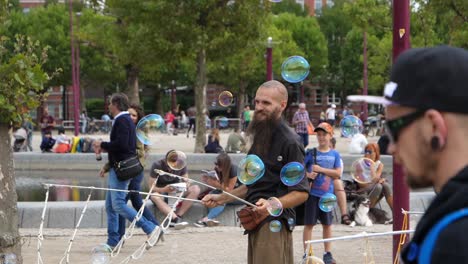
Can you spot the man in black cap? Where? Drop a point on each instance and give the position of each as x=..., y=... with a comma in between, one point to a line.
x=427, y=121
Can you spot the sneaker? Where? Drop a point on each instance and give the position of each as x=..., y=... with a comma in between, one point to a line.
x=328, y=258
x=154, y=237
x=200, y=223
x=178, y=223
x=212, y=222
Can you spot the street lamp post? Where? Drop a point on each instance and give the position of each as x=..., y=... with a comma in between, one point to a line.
x=173, y=96
x=401, y=42
x=76, y=98
x=269, y=59
x=364, y=77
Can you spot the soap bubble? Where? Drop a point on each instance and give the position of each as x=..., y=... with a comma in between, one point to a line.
x=222, y=121
x=350, y=126
x=8, y=258
x=176, y=160
x=101, y=254
x=327, y=202
x=225, y=98
x=361, y=170
x=251, y=169
x=295, y=69
x=292, y=173
x=274, y=207
x=147, y=127
x=275, y=226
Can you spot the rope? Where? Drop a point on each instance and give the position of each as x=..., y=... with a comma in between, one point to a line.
x=368, y=255
x=40, y=236
x=361, y=235
x=207, y=185
x=404, y=226
x=70, y=242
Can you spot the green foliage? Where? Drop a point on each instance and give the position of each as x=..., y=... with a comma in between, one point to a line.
x=289, y=6
x=21, y=77
x=95, y=107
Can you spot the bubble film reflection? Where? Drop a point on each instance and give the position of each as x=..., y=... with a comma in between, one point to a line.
x=292, y=173
x=275, y=207
x=147, y=127
x=251, y=169
x=361, y=170
x=176, y=160
x=101, y=254
x=295, y=69
x=327, y=202
x=275, y=226
x=225, y=98
x=350, y=126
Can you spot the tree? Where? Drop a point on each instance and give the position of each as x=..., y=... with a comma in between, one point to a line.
x=289, y=6
x=21, y=88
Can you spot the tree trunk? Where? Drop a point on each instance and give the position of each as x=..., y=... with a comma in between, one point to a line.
x=132, y=84
x=157, y=105
x=10, y=241
x=241, y=99
x=200, y=101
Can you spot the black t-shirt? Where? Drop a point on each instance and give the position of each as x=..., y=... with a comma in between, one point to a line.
x=286, y=148
x=232, y=174
x=164, y=180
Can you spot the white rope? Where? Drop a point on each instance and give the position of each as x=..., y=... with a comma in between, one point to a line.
x=403, y=211
x=207, y=185
x=70, y=242
x=360, y=235
x=40, y=236
x=116, y=190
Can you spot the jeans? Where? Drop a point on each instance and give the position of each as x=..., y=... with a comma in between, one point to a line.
x=116, y=205
x=215, y=211
x=305, y=138
x=137, y=202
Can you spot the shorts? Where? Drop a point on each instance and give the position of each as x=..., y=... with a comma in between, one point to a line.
x=313, y=212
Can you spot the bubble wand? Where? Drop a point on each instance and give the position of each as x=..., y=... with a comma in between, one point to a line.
x=161, y=172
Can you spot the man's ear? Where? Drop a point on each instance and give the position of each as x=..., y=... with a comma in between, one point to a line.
x=439, y=126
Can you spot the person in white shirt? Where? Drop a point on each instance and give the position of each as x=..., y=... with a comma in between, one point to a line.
x=358, y=143
x=331, y=112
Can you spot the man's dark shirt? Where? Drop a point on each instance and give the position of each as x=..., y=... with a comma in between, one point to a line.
x=452, y=242
x=164, y=180
x=122, y=143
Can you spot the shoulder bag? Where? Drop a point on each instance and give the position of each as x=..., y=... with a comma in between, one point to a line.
x=128, y=169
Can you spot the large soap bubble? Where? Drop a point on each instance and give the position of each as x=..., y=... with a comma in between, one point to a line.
x=350, y=126
x=147, y=127
x=292, y=173
x=274, y=207
x=251, y=169
x=176, y=160
x=101, y=254
x=295, y=69
x=327, y=202
x=361, y=170
x=275, y=226
x=225, y=98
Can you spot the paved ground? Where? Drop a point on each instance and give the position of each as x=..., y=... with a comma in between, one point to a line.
x=164, y=142
x=204, y=245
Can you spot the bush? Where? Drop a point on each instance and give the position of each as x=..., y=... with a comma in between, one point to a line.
x=95, y=107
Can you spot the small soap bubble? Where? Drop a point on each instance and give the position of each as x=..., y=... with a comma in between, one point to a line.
x=291, y=221
x=361, y=170
x=327, y=202
x=101, y=254
x=275, y=226
x=176, y=160
x=350, y=126
x=292, y=173
x=295, y=69
x=274, y=207
x=225, y=98
x=279, y=158
x=147, y=127
x=251, y=169
x=222, y=121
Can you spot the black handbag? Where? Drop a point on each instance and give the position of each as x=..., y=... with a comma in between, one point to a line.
x=129, y=168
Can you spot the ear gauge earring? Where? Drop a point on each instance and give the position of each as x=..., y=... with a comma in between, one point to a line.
x=435, y=143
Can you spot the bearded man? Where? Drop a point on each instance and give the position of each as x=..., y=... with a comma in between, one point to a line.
x=276, y=144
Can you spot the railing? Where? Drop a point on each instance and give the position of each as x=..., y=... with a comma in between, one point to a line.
x=224, y=123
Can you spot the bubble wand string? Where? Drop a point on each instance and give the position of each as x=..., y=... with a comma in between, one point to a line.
x=161, y=172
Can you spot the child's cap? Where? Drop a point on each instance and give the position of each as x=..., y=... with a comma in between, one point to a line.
x=325, y=127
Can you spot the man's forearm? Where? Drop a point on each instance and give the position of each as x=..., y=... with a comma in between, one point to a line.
x=293, y=199
x=240, y=192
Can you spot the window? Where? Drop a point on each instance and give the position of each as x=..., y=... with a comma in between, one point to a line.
x=318, y=5
x=318, y=96
x=333, y=99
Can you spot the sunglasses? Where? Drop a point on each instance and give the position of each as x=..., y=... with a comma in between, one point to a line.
x=368, y=152
x=395, y=126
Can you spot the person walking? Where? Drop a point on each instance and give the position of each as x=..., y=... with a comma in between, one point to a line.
x=276, y=144
x=427, y=123
x=300, y=122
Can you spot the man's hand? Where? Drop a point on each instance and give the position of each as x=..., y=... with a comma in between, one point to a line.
x=97, y=146
x=168, y=189
x=262, y=206
x=102, y=172
x=212, y=200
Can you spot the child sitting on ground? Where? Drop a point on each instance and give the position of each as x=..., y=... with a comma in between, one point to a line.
x=48, y=142
x=63, y=142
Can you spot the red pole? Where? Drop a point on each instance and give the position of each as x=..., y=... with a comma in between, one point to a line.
x=401, y=42
x=269, y=60
x=73, y=69
x=364, y=75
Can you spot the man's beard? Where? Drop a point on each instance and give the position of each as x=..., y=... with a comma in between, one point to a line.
x=260, y=132
x=429, y=164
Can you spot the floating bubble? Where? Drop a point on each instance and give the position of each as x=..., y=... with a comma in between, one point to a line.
x=8, y=258
x=295, y=69
x=147, y=127
x=291, y=221
x=350, y=126
x=361, y=170
x=101, y=254
x=292, y=173
x=222, y=121
x=251, y=169
x=274, y=207
x=225, y=98
x=176, y=160
x=275, y=226
x=327, y=202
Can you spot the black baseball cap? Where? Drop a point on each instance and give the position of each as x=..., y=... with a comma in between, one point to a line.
x=427, y=78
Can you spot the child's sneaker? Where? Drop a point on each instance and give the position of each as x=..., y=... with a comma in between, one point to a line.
x=328, y=258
